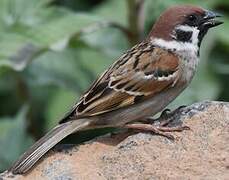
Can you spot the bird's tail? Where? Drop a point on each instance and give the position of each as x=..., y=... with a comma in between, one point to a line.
x=29, y=158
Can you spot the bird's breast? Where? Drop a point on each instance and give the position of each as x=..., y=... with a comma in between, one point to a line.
x=188, y=65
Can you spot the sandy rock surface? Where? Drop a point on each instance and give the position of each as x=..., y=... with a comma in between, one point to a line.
x=200, y=153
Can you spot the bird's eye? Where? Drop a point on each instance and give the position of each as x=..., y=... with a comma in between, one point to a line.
x=192, y=18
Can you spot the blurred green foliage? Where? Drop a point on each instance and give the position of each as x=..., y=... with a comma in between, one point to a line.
x=50, y=52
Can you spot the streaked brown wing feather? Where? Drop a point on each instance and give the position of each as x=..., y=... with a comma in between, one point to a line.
x=138, y=73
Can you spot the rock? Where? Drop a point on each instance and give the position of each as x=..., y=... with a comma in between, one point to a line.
x=200, y=153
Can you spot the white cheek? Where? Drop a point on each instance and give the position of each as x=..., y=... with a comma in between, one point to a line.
x=181, y=48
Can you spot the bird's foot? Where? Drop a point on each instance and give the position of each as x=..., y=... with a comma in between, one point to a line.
x=160, y=125
x=160, y=130
x=167, y=116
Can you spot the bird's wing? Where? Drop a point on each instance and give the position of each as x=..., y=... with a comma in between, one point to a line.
x=140, y=73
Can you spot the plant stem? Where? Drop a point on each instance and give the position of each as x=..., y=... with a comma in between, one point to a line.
x=136, y=20
x=22, y=89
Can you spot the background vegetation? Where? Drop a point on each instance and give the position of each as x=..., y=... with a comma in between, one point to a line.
x=51, y=50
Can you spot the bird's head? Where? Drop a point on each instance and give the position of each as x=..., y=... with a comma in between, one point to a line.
x=184, y=23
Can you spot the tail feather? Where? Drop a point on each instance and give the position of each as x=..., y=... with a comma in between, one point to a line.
x=29, y=158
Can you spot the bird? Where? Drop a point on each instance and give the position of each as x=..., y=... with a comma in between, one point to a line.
x=139, y=84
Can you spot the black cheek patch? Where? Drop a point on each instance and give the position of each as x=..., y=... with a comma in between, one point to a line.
x=184, y=36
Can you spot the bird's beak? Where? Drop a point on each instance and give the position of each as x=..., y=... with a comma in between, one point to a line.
x=209, y=20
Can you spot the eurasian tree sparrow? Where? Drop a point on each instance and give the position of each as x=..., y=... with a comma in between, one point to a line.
x=141, y=83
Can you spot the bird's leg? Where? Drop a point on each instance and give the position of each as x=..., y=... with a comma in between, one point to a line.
x=162, y=127
x=150, y=128
x=156, y=129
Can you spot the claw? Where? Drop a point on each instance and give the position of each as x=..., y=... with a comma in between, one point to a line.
x=179, y=109
x=168, y=116
x=182, y=106
x=169, y=136
x=165, y=114
x=186, y=128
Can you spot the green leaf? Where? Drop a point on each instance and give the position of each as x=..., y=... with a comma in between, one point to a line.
x=24, y=12
x=60, y=29
x=16, y=51
x=26, y=33
x=13, y=138
x=113, y=10
x=222, y=32
x=109, y=41
x=59, y=104
x=94, y=61
x=57, y=68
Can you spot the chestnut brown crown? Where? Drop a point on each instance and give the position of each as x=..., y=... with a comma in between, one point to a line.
x=193, y=16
